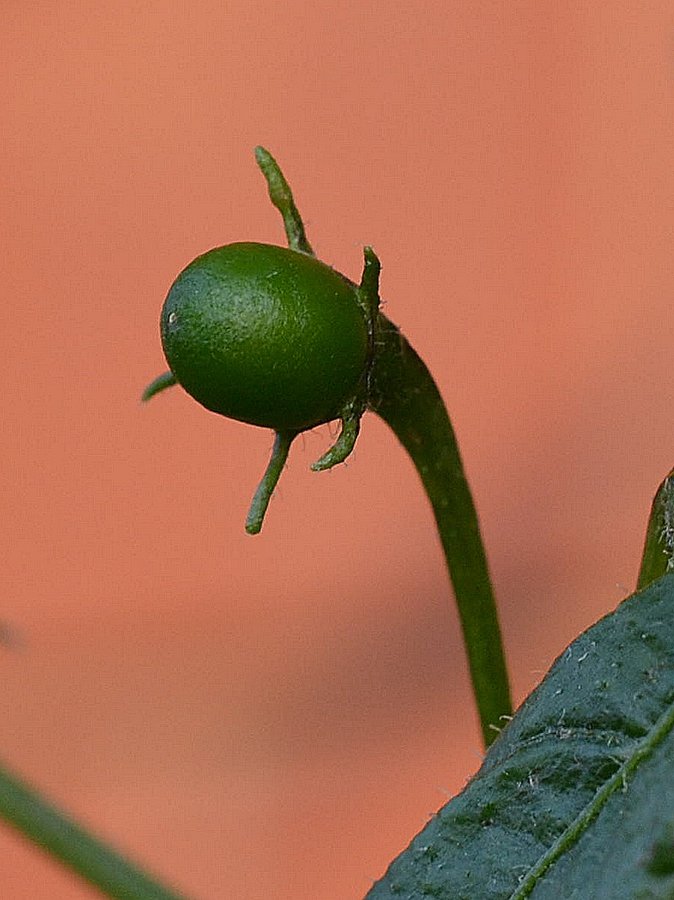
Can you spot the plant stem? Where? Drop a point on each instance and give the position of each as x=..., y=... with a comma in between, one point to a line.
x=404, y=394
x=54, y=832
x=658, y=555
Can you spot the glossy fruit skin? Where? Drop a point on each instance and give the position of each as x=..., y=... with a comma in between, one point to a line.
x=265, y=335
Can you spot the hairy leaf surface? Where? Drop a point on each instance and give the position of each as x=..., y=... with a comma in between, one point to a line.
x=576, y=797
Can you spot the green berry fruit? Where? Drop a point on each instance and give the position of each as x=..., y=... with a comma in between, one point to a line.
x=266, y=335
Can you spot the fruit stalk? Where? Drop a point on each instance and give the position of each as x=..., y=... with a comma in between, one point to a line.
x=405, y=396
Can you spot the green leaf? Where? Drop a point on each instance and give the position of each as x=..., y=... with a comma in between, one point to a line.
x=576, y=798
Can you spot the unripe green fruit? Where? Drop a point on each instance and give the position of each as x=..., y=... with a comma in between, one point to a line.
x=265, y=335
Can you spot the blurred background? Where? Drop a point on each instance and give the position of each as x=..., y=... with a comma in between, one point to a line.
x=276, y=717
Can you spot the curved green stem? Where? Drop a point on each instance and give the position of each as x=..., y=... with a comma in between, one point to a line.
x=404, y=394
x=658, y=555
x=54, y=832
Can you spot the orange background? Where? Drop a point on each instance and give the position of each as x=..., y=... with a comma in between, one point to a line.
x=275, y=717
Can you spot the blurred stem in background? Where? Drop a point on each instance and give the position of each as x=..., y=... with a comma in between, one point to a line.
x=26, y=811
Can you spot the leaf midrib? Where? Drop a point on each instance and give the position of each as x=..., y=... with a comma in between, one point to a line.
x=573, y=832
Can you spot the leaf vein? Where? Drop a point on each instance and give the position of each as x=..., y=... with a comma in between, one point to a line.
x=574, y=831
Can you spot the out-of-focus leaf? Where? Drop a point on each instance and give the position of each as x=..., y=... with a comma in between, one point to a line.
x=576, y=798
